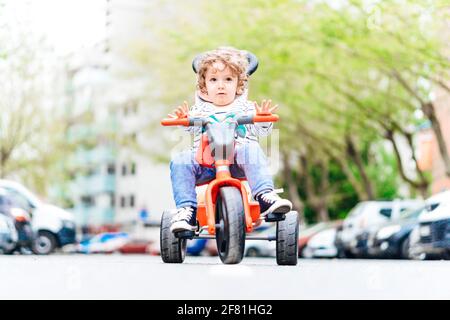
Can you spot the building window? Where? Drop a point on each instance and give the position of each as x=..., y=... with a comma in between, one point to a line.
x=132, y=201
x=122, y=202
x=111, y=169
x=88, y=200
x=90, y=172
x=133, y=168
x=113, y=200
x=124, y=169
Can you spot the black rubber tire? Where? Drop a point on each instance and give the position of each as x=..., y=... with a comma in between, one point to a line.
x=404, y=249
x=230, y=236
x=173, y=249
x=10, y=250
x=9, y=247
x=343, y=254
x=287, y=240
x=446, y=255
x=48, y=241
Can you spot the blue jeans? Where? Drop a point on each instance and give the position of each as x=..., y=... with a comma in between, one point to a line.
x=250, y=162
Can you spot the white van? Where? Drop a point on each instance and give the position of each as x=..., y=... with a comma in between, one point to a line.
x=433, y=238
x=434, y=202
x=370, y=213
x=54, y=227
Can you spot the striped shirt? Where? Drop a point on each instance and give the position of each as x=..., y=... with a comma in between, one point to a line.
x=240, y=106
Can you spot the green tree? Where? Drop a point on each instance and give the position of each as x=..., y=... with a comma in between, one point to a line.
x=348, y=78
x=31, y=123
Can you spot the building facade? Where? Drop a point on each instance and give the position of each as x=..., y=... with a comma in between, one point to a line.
x=113, y=175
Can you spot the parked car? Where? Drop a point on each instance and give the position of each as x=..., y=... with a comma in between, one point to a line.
x=391, y=239
x=195, y=247
x=21, y=222
x=309, y=231
x=434, y=229
x=262, y=248
x=136, y=246
x=322, y=245
x=253, y=248
x=107, y=242
x=8, y=234
x=211, y=248
x=53, y=226
x=352, y=241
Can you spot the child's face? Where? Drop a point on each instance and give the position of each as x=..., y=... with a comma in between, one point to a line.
x=221, y=84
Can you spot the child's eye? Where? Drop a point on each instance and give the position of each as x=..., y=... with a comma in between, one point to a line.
x=212, y=79
x=229, y=79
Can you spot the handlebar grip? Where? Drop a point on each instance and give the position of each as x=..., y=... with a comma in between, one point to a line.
x=245, y=119
x=175, y=122
x=268, y=118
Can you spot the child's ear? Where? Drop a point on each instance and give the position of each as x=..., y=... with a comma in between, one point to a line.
x=203, y=95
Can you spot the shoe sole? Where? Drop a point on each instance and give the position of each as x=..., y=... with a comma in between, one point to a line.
x=181, y=226
x=283, y=207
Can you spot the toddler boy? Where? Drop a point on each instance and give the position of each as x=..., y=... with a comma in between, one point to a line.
x=222, y=77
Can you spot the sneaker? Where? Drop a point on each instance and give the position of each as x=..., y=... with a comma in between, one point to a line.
x=184, y=220
x=270, y=202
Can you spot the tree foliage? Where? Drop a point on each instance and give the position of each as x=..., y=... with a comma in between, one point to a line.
x=31, y=106
x=352, y=78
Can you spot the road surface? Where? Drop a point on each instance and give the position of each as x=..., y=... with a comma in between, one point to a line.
x=146, y=277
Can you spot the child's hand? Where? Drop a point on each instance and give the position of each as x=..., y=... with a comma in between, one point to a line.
x=180, y=112
x=266, y=107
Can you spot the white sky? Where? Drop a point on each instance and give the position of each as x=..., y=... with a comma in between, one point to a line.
x=68, y=25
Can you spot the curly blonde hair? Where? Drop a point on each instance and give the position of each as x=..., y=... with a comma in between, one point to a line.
x=232, y=58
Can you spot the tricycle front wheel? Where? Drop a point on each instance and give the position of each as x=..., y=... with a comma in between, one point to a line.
x=230, y=225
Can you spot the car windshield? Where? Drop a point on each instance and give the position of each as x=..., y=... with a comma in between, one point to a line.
x=412, y=213
x=357, y=210
x=18, y=200
x=4, y=202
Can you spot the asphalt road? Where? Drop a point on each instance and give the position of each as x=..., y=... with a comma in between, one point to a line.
x=146, y=277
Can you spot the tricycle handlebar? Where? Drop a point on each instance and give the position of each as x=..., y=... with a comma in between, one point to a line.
x=199, y=121
x=175, y=122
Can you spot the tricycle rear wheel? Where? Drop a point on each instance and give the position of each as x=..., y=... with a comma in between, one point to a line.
x=173, y=249
x=287, y=240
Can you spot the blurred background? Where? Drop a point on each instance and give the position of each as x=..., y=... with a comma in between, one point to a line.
x=364, y=95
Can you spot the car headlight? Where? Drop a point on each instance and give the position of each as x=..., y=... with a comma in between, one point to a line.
x=386, y=232
x=68, y=224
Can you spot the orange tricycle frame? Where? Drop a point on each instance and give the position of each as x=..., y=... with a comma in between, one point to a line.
x=206, y=211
